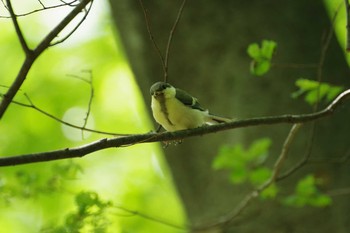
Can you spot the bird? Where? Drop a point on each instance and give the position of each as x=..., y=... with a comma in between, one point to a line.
x=175, y=109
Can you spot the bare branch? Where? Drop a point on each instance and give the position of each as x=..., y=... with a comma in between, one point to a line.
x=148, y=26
x=171, y=35
x=325, y=45
x=89, y=82
x=168, y=136
x=74, y=29
x=42, y=4
x=255, y=193
x=21, y=38
x=164, y=60
x=31, y=57
x=44, y=8
x=148, y=217
x=33, y=106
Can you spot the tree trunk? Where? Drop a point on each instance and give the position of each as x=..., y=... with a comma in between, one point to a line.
x=208, y=59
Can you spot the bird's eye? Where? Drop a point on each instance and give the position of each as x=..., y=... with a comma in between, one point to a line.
x=165, y=85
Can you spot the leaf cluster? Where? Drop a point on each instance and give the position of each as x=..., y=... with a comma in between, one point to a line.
x=91, y=215
x=261, y=56
x=244, y=164
x=247, y=166
x=315, y=91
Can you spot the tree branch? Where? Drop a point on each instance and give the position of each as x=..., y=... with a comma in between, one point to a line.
x=171, y=35
x=23, y=42
x=255, y=193
x=168, y=136
x=34, y=54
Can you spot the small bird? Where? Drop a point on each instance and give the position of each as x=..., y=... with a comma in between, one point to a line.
x=175, y=109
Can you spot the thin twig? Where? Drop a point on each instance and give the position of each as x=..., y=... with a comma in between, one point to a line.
x=148, y=26
x=168, y=136
x=338, y=192
x=255, y=193
x=42, y=9
x=33, y=106
x=171, y=35
x=31, y=57
x=88, y=111
x=310, y=142
x=74, y=29
x=20, y=35
x=42, y=4
x=151, y=218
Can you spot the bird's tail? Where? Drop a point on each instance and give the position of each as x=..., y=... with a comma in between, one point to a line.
x=212, y=119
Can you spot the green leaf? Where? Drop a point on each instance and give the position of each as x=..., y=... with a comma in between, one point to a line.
x=321, y=200
x=259, y=175
x=239, y=175
x=306, y=186
x=254, y=50
x=259, y=149
x=270, y=192
x=261, y=56
x=315, y=91
x=268, y=48
x=228, y=157
x=244, y=164
x=307, y=193
x=260, y=68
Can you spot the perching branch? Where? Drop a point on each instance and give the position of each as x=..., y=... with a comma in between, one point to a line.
x=32, y=55
x=168, y=136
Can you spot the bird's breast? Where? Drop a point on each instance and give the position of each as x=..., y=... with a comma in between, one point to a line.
x=174, y=115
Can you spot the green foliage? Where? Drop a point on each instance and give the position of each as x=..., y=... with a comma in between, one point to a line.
x=307, y=194
x=261, y=56
x=91, y=215
x=270, y=192
x=245, y=164
x=315, y=91
x=25, y=184
x=32, y=195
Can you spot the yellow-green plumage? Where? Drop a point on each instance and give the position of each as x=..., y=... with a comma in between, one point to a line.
x=174, y=109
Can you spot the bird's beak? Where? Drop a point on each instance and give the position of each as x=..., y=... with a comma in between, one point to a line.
x=157, y=93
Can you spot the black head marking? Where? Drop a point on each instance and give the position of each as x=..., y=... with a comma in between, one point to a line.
x=158, y=87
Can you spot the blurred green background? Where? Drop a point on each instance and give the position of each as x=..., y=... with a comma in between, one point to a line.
x=43, y=197
x=131, y=189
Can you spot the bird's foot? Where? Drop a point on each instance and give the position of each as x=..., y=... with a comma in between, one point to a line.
x=174, y=142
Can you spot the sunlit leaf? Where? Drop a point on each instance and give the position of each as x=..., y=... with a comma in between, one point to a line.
x=307, y=194
x=270, y=192
x=244, y=164
x=254, y=50
x=259, y=175
x=315, y=91
x=261, y=56
x=259, y=149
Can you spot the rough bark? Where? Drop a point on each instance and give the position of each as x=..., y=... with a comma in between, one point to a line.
x=208, y=59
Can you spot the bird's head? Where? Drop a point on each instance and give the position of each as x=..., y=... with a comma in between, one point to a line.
x=162, y=89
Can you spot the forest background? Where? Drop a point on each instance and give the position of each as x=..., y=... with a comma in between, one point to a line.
x=253, y=61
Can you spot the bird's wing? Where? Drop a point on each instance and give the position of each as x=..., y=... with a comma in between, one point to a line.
x=188, y=100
